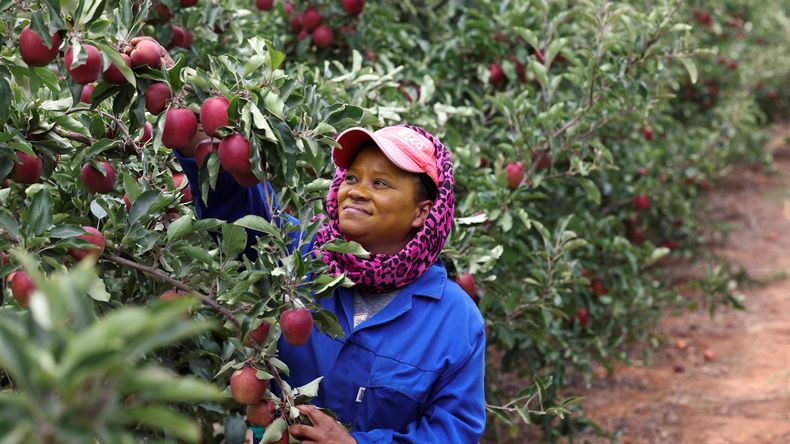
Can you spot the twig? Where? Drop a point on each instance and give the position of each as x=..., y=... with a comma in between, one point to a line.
x=77, y=137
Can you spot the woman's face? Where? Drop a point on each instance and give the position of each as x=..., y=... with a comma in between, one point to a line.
x=377, y=203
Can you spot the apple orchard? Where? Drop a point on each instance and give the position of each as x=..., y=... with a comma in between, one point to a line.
x=582, y=134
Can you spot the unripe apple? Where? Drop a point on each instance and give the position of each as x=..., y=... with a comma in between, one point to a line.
x=180, y=128
x=647, y=133
x=309, y=19
x=467, y=283
x=204, y=149
x=264, y=5
x=113, y=75
x=85, y=96
x=515, y=175
x=179, y=179
x=214, y=114
x=89, y=71
x=297, y=325
x=258, y=335
x=146, y=53
x=261, y=414
x=295, y=24
x=94, y=181
x=21, y=287
x=147, y=133
x=583, y=316
x=234, y=154
x=322, y=36
x=598, y=288
x=156, y=97
x=28, y=169
x=93, y=236
x=641, y=201
x=353, y=7
x=245, y=387
x=246, y=179
x=495, y=74
x=33, y=51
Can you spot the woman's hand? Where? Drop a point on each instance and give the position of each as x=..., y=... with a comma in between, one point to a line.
x=325, y=430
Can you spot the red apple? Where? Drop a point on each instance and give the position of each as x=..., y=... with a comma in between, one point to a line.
x=261, y=414
x=264, y=5
x=322, y=36
x=288, y=8
x=187, y=3
x=172, y=294
x=542, y=158
x=672, y=244
x=467, y=283
x=214, y=114
x=772, y=95
x=33, y=51
x=496, y=75
x=303, y=34
x=21, y=287
x=89, y=71
x=147, y=133
x=178, y=37
x=583, y=316
x=85, y=97
x=234, y=154
x=295, y=24
x=297, y=325
x=258, y=335
x=642, y=171
x=703, y=17
x=204, y=149
x=520, y=72
x=245, y=387
x=641, y=201
x=246, y=179
x=647, y=133
x=179, y=179
x=309, y=19
x=156, y=97
x=96, y=182
x=162, y=12
x=113, y=75
x=353, y=7
x=146, y=53
x=4, y=259
x=539, y=57
x=187, y=39
x=598, y=287
x=127, y=202
x=28, y=169
x=515, y=175
x=93, y=236
x=180, y=128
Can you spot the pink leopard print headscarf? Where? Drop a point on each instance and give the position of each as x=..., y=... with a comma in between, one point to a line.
x=382, y=272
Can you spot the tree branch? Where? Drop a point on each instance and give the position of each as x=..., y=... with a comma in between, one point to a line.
x=77, y=137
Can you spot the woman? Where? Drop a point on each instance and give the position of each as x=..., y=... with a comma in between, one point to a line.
x=410, y=365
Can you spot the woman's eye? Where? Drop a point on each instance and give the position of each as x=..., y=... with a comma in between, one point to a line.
x=380, y=183
x=350, y=178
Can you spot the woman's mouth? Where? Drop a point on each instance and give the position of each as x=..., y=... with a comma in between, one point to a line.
x=356, y=210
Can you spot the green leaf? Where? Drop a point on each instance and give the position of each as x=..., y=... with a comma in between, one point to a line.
x=39, y=218
x=158, y=417
x=257, y=223
x=350, y=247
x=691, y=67
x=593, y=193
x=179, y=227
x=142, y=205
x=311, y=388
x=234, y=240
x=274, y=431
x=8, y=222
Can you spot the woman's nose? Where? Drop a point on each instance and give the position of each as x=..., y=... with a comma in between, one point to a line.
x=358, y=192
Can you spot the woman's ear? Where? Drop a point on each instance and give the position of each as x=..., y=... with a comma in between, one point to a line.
x=421, y=213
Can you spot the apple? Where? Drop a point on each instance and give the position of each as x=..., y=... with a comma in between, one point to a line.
x=264, y=5
x=246, y=179
x=295, y=24
x=234, y=154
x=309, y=19
x=598, y=288
x=288, y=8
x=647, y=133
x=297, y=325
x=515, y=175
x=539, y=56
x=93, y=236
x=261, y=414
x=113, y=75
x=85, y=97
x=21, y=287
x=520, y=72
x=542, y=158
x=187, y=39
x=284, y=439
x=258, y=335
x=672, y=244
x=146, y=53
x=4, y=259
x=772, y=95
x=214, y=114
x=583, y=316
x=303, y=34
x=147, y=132
x=733, y=65
x=96, y=182
x=156, y=97
x=679, y=222
x=187, y=3
x=33, y=51
x=495, y=74
x=172, y=294
x=245, y=387
x=642, y=171
x=180, y=128
x=89, y=71
x=204, y=149
x=467, y=283
x=703, y=17
x=127, y=202
x=353, y=7
x=641, y=201
x=162, y=12
x=322, y=36
x=178, y=180
x=28, y=168
x=177, y=38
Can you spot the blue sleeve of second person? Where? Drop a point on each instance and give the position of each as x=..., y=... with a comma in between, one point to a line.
x=230, y=201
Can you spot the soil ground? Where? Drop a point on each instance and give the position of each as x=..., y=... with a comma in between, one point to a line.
x=741, y=394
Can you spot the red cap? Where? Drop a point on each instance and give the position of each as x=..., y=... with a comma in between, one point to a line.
x=406, y=148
